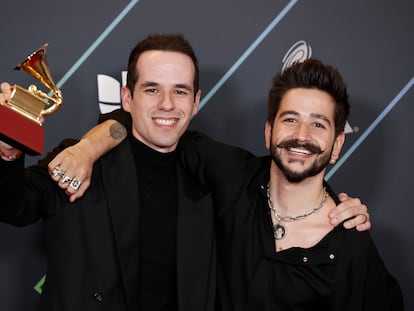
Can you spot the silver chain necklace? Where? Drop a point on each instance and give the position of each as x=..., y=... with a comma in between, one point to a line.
x=279, y=231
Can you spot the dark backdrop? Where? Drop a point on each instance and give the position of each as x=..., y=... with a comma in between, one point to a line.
x=240, y=45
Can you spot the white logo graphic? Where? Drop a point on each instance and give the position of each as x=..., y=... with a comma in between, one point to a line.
x=109, y=92
x=299, y=52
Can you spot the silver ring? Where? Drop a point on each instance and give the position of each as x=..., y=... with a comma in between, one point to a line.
x=65, y=179
x=57, y=171
x=75, y=184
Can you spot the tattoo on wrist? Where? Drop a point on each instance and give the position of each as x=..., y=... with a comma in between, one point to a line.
x=117, y=131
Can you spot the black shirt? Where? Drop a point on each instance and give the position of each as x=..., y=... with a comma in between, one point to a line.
x=158, y=226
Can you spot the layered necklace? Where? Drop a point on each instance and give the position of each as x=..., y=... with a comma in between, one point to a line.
x=279, y=230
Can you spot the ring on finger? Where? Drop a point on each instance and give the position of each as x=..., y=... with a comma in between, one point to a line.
x=57, y=171
x=75, y=184
x=65, y=179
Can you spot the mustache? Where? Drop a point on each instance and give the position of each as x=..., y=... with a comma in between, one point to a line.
x=294, y=143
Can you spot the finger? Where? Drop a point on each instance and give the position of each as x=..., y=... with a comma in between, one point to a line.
x=74, y=185
x=77, y=180
x=361, y=222
x=65, y=181
x=347, y=210
x=365, y=226
x=64, y=166
x=6, y=90
x=57, y=173
x=57, y=161
x=354, y=204
x=8, y=152
x=80, y=192
x=53, y=170
x=8, y=157
x=343, y=197
x=4, y=146
x=344, y=215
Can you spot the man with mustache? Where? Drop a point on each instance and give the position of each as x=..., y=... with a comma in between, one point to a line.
x=276, y=247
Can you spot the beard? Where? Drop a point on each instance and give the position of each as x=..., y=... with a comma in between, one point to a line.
x=320, y=163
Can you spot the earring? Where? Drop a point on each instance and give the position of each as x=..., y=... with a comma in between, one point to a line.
x=333, y=159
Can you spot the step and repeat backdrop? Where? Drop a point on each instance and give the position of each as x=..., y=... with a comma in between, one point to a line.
x=240, y=45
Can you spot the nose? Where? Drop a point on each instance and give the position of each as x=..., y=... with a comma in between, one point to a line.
x=166, y=103
x=301, y=132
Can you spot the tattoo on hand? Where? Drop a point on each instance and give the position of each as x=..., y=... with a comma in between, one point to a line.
x=117, y=131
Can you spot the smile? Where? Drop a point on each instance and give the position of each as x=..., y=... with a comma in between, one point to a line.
x=165, y=122
x=300, y=151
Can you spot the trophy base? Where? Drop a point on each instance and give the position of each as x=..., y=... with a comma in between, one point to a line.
x=21, y=132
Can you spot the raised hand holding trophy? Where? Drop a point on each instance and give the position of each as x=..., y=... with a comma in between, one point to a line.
x=21, y=116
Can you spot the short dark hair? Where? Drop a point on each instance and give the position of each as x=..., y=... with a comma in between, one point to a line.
x=311, y=74
x=161, y=42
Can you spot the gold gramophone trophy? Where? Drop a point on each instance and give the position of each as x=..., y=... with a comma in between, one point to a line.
x=21, y=117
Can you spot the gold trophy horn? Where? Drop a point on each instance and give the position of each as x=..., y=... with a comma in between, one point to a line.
x=21, y=117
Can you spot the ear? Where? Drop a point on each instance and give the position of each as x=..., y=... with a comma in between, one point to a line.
x=337, y=147
x=126, y=98
x=196, y=103
x=268, y=134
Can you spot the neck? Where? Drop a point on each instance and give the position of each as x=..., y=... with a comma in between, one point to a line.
x=294, y=198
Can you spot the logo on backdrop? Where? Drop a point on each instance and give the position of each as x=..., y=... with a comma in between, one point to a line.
x=299, y=52
x=109, y=92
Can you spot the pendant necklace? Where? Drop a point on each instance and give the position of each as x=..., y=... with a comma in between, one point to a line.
x=279, y=230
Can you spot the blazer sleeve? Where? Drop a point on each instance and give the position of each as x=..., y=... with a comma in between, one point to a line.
x=370, y=286
x=29, y=194
x=119, y=115
x=212, y=163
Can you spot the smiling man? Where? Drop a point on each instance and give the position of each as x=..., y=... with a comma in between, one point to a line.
x=277, y=249
x=134, y=241
x=163, y=100
x=309, y=148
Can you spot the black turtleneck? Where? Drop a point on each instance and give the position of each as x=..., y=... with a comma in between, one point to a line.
x=158, y=226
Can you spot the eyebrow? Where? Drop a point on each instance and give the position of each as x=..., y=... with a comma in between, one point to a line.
x=313, y=115
x=148, y=83
x=178, y=85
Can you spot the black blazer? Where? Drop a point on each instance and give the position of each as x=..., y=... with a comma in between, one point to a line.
x=92, y=244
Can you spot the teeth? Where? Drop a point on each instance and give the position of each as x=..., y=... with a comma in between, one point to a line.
x=165, y=121
x=301, y=151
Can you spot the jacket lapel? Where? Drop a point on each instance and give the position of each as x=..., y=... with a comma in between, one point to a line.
x=195, y=246
x=121, y=188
